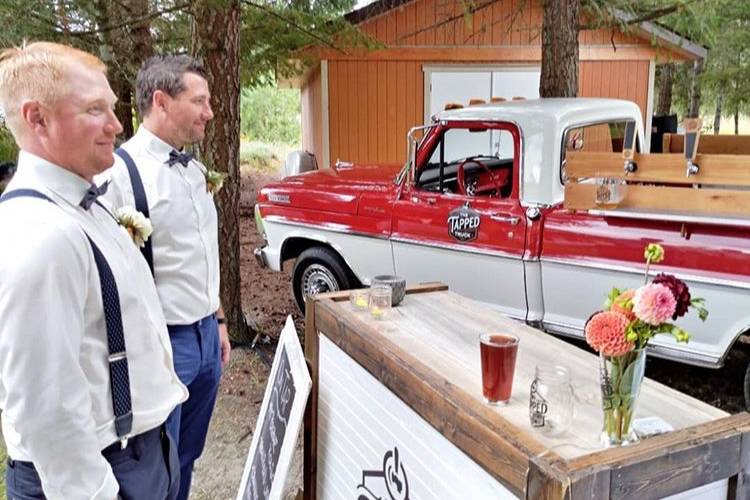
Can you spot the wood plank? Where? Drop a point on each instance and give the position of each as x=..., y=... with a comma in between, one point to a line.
x=449, y=53
x=739, y=486
x=372, y=110
x=310, y=434
x=710, y=144
x=673, y=472
x=667, y=168
x=669, y=200
x=382, y=97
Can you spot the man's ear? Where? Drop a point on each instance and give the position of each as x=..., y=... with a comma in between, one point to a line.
x=34, y=116
x=160, y=100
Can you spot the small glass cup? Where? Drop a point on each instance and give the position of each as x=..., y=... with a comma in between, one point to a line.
x=498, y=355
x=551, y=400
x=380, y=301
x=360, y=299
x=609, y=192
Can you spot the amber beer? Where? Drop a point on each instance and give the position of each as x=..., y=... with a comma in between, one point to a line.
x=498, y=354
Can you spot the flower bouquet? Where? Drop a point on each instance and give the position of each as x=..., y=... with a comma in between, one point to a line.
x=135, y=223
x=620, y=334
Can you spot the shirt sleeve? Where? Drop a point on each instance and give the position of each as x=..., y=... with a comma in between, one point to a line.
x=45, y=393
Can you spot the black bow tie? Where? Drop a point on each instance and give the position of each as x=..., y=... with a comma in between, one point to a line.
x=92, y=194
x=177, y=157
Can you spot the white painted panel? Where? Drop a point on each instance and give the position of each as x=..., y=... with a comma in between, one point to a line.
x=360, y=421
x=594, y=284
x=488, y=278
x=461, y=87
x=366, y=256
x=517, y=82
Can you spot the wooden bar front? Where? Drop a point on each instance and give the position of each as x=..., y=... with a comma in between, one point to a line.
x=427, y=353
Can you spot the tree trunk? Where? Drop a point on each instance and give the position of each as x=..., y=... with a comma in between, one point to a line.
x=694, y=94
x=717, y=113
x=736, y=121
x=666, y=81
x=124, y=49
x=216, y=42
x=559, y=48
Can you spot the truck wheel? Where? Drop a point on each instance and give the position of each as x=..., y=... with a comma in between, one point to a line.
x=319, y=270
x=746, y=387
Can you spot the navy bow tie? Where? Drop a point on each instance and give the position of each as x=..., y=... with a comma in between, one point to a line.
x=92, y=194
x=177, y=157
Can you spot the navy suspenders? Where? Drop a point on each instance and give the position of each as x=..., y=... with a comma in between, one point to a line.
x=119, y=377
x=141, y=202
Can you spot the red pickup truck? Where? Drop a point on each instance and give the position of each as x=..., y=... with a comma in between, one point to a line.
x=479, y=205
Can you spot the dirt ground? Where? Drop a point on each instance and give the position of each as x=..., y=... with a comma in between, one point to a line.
x=267, y=298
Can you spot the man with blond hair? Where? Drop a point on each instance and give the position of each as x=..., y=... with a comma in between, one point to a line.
x=86, y=374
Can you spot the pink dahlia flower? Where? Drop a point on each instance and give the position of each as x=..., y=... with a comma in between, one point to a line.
x=605, y=333
x=654, y=303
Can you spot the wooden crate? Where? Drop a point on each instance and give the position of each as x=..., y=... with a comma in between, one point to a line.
x=709, y=144
x=721, y=188
x=427, y=354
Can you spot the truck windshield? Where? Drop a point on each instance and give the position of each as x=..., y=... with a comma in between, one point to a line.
x=484, y=155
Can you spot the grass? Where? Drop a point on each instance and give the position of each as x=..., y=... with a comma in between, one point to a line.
x=3, y=457
x=263, y=157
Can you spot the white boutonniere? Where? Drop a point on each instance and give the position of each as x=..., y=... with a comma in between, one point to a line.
x=135, y=223
x=214, y=180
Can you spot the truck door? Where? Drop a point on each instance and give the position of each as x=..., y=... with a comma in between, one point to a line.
x=460, y=221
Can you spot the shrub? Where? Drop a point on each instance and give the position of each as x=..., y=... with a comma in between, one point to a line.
x=270, y=114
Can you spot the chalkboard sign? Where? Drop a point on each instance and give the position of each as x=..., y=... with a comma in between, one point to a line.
x=278, y=422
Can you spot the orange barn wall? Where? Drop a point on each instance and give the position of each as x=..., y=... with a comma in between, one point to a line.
x=374, y=98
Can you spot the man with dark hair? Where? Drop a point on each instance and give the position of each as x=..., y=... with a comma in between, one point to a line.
x=86, y=374
x=154, y=174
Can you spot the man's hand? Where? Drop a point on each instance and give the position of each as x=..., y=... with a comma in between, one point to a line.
x=226, y=348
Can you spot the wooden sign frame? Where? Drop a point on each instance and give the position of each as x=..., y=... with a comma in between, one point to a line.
x=288, y=347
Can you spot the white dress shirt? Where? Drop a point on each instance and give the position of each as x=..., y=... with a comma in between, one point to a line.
x=185, y=238
x=54, y=374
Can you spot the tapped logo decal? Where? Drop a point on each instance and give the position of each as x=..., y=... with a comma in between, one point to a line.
x=463, y=223
x=393, y=484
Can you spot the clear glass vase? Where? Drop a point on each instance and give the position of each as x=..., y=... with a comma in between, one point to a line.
x=621, y=378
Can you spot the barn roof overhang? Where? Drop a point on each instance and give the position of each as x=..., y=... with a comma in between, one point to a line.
x=684, y=47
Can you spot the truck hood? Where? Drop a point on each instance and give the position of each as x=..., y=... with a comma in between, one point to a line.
x=336, y=189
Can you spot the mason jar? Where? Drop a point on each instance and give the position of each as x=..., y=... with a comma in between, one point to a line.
x=551, y=400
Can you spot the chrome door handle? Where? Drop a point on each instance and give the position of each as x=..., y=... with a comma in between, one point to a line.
x=511, y=219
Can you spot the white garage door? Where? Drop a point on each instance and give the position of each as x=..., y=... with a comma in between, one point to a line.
x=460, y=85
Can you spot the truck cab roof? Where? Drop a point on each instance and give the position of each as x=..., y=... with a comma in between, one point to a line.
x=542, y=124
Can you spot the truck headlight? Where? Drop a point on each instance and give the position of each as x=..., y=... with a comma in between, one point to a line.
x=259, y=223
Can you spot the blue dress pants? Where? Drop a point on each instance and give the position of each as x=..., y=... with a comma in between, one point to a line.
x=147, y=469
x=197, y=360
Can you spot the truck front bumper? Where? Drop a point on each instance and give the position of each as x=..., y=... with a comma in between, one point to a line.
x=260, y=257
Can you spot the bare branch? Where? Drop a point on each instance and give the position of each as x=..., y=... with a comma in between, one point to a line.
x=293, y=24
x=449, y=19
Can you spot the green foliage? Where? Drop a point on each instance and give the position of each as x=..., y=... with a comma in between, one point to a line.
x=270, y=114
x=8, y=148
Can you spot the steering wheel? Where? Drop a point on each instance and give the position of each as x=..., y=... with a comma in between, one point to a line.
x=461, y=179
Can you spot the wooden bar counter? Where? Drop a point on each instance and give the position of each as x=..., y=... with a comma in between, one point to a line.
x=396, y=412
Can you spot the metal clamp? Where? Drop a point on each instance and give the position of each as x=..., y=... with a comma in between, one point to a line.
x=117, y=356
x=630, y=166
x=691, y=168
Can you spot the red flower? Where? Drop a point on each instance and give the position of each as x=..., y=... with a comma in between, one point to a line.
x=679, y=290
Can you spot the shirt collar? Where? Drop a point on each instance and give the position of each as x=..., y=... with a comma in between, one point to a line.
x=39, y=172
x=153, y=143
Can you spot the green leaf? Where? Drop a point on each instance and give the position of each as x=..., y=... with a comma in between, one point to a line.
x=611, y=298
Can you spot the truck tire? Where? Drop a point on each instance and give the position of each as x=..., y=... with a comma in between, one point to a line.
x=746, y=388
x=319, y=270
